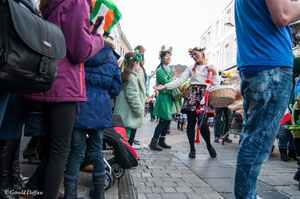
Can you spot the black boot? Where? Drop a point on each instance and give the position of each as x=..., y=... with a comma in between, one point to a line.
x=162, y=143
x=97, y=191
x=154, y=146
x=16, y=180
x=70, y=189
x=212, y=151
x=292, y=154
x=297, y=174
x=192, y=154
x=7, y=149
x=284, y=156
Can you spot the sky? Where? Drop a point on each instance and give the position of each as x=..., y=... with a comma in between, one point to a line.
x=176, y=23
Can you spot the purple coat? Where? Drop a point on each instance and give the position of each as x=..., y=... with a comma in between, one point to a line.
x=73, y=17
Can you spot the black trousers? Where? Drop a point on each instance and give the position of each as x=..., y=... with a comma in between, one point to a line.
x=190, y=130
x=59, y=123
x=162, y=128
x=132, y=136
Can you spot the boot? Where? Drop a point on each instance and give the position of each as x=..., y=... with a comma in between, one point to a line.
x=297, y=174
x=292, y=154
x=192, y=154
x=7, y=148
x=212, y=151
x=97, y=191
x=162, y=143
x=284, y=156
x=70, y=189
x=154, y=146
x=16, y=180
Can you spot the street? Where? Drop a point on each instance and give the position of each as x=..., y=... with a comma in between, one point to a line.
x=170, y=174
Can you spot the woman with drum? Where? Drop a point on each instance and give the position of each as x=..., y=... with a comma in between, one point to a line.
x=197, y=74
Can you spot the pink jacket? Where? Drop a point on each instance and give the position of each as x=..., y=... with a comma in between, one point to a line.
x=73, y=17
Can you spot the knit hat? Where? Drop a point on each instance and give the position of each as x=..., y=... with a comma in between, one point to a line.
x=109, y=10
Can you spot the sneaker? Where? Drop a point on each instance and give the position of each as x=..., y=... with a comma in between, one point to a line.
x=136, y=147
x=136, y=142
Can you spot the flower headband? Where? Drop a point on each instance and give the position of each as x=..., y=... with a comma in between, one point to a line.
x=197, y=49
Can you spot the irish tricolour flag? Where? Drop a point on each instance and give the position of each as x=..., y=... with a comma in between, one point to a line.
x=107, y=9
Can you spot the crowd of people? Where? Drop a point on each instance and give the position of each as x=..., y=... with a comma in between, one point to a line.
x=78, y=107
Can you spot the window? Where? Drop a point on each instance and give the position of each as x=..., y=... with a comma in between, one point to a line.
x=217, y=30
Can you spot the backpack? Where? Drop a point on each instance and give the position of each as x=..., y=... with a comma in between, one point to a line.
x=29, y=49
x=125, y=155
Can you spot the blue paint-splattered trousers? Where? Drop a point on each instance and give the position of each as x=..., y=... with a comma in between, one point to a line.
x=266, y=97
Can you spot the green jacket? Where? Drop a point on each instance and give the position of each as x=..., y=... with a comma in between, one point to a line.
x=164, y=105
x=130, y=102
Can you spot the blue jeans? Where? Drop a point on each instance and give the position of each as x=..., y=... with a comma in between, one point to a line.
x=3, y=104
x=285, y=139
x=266, y=97
x=13, y=118
x=77, y=154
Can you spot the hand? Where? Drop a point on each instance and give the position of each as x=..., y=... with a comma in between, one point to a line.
x=100, y=30
x=212, y=69
x=160, y=87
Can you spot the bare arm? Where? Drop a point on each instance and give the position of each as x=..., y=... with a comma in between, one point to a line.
x=284, y=12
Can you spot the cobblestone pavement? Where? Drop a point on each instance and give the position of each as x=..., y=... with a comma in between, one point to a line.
x=170, y=174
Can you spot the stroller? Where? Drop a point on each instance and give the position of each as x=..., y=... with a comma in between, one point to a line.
x=121, y=155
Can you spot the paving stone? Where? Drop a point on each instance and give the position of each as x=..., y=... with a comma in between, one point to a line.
x=146, y=175
x=149, y=184
x=140, y=185
x=157, y=190
x=203, y=190
x=169, y=184
x=144, y=190
x=184, y=190
x=213, y=196
x=176, y=175
x=169, y=189
x=136, y=175
x=159, y=184
x=138, y=180
x=174, y=196
x=160, y=174
x=203, y=196
x=153, y=179
x=153, y=196
x=176, y=180
x=142, y=196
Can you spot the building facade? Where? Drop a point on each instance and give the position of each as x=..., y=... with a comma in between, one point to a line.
x=120, y=41
x=220, y=40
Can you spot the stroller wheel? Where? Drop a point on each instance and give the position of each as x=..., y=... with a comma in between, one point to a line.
x=119, y=171
x=108, y=180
